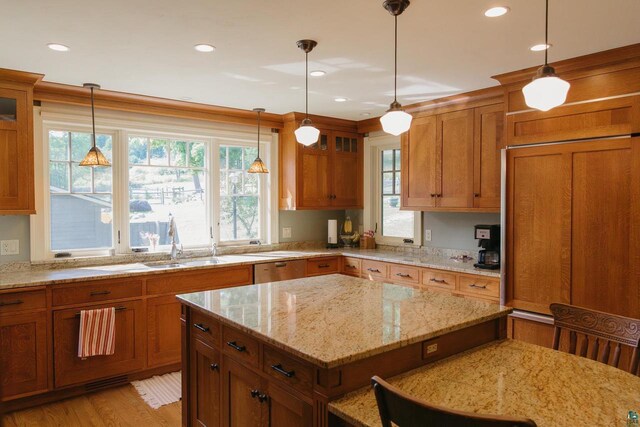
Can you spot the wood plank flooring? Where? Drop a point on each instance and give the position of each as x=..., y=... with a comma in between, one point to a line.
x=121, y=406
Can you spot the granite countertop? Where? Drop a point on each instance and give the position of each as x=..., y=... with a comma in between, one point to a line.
x=334, y=319
x=512, y=378
x=20, y=279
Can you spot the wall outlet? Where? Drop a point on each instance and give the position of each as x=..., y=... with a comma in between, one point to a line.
x=10, y=247
x=427, y=235
x=286, y=232
x=432, y=348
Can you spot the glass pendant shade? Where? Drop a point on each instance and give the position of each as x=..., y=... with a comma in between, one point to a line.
x=95, y=158
x=546, y=90
x=395, y=121
x=307, y=134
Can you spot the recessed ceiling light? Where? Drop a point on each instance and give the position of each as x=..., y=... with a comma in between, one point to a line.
x=365, y=114
x=340, y=99
x=58, y=47
x=204, y=48
x=317, y=73
x=540, y=47
x=494, y=12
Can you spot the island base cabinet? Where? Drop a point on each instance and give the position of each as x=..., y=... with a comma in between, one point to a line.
x=285, y=409
x=205, y=383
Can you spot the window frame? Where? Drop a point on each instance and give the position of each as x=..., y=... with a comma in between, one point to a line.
x=121, y=125
x=372, y=217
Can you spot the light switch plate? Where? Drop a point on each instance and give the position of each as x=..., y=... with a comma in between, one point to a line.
x=10, y=247
x=427, y=235
x=286, y=232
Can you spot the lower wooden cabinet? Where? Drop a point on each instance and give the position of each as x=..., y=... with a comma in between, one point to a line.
x=286, y=409
x=205, y=383
x=24, y=355
x=129, y=353
x=163, y=330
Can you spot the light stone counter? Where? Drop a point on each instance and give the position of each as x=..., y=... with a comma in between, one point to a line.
x=513, y=378
x=334, y=319
x=41, y=277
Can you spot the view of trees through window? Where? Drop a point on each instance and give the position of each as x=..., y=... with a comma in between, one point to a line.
x=395, y=223
x=80, y=196
x=239, y=194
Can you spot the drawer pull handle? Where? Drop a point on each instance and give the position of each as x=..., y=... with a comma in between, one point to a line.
x=117, y=309
x=234, y=345
x=278, y=368
x=96, y=293
x=373, y=270
x=280, y=264
x=324, y=266
x=201, y=327
x=351, y=266
x=15, y=302
x=437, y=280
x=406, y=276
x=473, y=285
x=214, y=367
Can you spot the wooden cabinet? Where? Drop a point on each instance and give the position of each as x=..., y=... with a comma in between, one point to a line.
x=451, y=161
x=205, y=382
x=321, y=266
x=17, y=194
x=573, y=217
x=352, y=266
x=163, y=330
x=287, y=409
x=130, y=345
x=324, y=175
x=244, y=397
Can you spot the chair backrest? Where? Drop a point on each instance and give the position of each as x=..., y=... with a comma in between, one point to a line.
x=403, y=410
x=599, y=331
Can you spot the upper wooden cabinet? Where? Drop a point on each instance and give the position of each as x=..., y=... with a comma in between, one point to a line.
x=325, y=175
x=16, y=142
x=451, y=161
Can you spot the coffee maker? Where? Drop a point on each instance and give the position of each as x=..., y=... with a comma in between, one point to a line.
x=489, y=240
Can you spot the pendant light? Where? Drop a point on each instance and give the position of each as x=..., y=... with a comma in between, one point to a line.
x=258, y=165
x=395, y=121
x=546, y=90
x=94, y=157
x=307, y=134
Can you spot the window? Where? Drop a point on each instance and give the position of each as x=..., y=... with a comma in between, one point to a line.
x=239, y=194
x=80, y=197
x=167, y=178
x=394, y=222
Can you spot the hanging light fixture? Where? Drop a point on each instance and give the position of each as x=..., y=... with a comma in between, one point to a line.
x=258, y=165
x=546, y=90
x=307, y=134
x=94, y=157
x=395, y=121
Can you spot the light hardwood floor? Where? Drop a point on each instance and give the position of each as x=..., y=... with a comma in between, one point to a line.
x=121, y=406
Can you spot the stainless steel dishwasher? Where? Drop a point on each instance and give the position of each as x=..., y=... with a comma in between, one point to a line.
x=279, y=270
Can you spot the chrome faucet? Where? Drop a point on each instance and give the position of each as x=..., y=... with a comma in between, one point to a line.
x=173, y=234
x=214, y=248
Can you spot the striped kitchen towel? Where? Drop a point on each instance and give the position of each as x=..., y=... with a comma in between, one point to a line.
x=97, y=332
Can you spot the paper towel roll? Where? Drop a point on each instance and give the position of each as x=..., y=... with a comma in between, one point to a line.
x=332, y=237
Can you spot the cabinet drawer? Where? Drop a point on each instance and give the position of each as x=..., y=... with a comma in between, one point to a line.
x=96, y=291
x=214, y=278
x=288, y=370
x=205, y=328
x=319, y=266
x=374, y=269
x=240, y=346
x=479, y=286
x=20, y=301
x=352, y=266
x=405, y=274
x=438, y=279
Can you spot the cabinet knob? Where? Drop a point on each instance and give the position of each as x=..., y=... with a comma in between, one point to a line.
x=433, y=195
x=214, y=367
x=262, y=398
x=254, y=393
x=476, y=194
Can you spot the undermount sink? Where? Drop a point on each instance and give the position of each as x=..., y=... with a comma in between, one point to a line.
x=164, y=264
x=197, y=262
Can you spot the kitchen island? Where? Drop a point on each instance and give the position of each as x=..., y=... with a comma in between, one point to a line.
x=278, y=353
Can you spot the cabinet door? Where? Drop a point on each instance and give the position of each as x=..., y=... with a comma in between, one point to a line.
x=129, y=352
x=24, y=355
x=285, y=409
x=163, y=330
x=205, y=385
x=347, y=171
x=455, y=159
x=241, y=406
x=16, y=153
x=488, y=135
x=418, y=172
x=538, y=228
x=314, y=174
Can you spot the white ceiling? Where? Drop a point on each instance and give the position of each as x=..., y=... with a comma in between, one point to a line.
x=446, y=46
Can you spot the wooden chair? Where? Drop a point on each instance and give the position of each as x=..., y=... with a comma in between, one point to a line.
x=602, y=328
x=403, y=410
